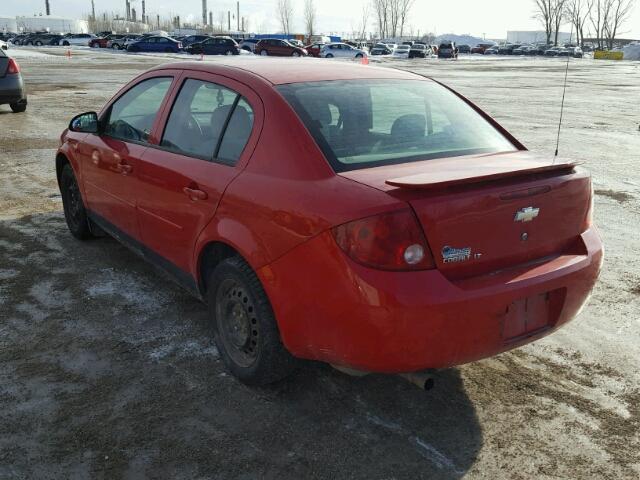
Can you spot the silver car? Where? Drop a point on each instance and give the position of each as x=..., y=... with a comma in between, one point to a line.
x=341, y=50
x=11, y=84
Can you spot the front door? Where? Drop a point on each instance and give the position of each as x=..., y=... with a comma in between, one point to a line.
x=183, y=178
x=110, y=158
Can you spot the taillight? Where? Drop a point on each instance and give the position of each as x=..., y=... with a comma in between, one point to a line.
x=390, y=241
x=13, y=66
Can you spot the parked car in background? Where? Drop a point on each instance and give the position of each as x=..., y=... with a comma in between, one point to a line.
x=481, y=47
x=4, y=45
x=402, y=51
x=278, y=48
x=191, y=39
x=552, y=52
x=314, y=49
x=12, y=89
x=447, y=50
x=124, y=42
x=155, y=44
x=249, y=44
x=419, y=50
x=381, y=49
x=576, y=52
x=78, y=39
x=523, y=50
x=507, y=48
x=341, y=50
x=296, y=43
x=215, y=46
x=492, y=50
x=464, y=48
x=383, y=239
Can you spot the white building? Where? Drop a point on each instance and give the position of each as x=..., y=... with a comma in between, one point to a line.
x=51, y=24
x=8, y=24
x=537, y=37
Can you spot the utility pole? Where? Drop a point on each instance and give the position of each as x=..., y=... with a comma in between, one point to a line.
x=228, y=20
x=144, y=15
x=47, y=7
x=128, y=10
x=204, y=12
x=93, y=10
x=238, y=14
x=211, y=20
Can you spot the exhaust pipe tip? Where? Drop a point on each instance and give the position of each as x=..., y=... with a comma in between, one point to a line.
x=423, y=380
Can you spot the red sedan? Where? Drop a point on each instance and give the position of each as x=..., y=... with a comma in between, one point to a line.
x=365, y=217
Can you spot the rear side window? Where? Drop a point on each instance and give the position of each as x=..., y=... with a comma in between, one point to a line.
x=202, y=114
x=132, y=115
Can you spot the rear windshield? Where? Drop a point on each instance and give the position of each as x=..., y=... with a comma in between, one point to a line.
x=367, y=123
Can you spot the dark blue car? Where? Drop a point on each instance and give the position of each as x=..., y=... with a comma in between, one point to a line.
x=155, y=44
x=215, y=46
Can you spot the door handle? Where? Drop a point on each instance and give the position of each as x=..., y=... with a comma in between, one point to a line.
x=195, y=194
x=124, y=168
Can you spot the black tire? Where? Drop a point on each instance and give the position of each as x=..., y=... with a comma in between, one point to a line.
x=244, y=325
x=65, y=44
x=358, y=55
x=19, y=107
x=75, y=213
x=38, y=43
x=329, y=55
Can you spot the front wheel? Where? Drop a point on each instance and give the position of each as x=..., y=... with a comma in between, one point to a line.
x=65, y=44
x=228, y=52
x=38, y=43
x=18, y=107
x=75, y=213
x=263, y=53
x=359, y=55
x=115, y=46
x=245, y=327
x=329, y=55
x=295, y=54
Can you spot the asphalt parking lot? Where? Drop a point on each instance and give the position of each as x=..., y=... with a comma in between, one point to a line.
x=107, y=369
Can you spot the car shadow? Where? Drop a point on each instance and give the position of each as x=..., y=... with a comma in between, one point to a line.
x=110, y=368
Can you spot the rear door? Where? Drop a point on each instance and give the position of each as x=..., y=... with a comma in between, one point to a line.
x=110, y=159
x=201, y=150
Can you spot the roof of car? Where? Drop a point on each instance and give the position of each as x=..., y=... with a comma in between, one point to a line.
x=279, y=71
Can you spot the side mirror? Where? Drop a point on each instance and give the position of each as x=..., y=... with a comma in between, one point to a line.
x=84, y=123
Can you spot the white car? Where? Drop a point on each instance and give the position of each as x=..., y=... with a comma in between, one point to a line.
x=402, y=51
x=4, y=45
x=81, y=39
x=341, y=50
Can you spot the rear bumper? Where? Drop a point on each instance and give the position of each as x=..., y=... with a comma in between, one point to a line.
x=334, y=310
x=11, y=89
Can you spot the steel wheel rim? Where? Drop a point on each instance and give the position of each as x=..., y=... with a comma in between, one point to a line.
x=237, y=322
x=73, y=202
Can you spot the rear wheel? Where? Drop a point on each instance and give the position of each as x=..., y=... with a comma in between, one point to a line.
x=329, y=55
x=245, y=327
x=19, y=107
x=74, y=211
x=263, y=53
x=115, y=46
x=38, y=43
x=295, y=54
x=358, y=55
x=65, y=44
x=228, y=52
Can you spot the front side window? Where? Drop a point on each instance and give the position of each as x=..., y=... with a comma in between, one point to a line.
x=132, y=115
x=202, y=113
x=382, y=122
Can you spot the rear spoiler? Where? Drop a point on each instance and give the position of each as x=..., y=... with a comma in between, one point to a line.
x=463, y=173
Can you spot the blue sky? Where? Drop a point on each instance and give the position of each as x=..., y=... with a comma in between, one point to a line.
x=490, y=17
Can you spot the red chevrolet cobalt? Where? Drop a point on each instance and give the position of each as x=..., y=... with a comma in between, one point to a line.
x=365, y=217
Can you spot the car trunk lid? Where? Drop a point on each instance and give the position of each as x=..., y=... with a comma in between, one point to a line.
x=482, y=214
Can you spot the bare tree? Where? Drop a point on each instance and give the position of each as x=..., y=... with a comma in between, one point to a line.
x=309, y=18
x=597, y=19
x=364, y=21
x=544, y=13
x=381, y=9
x=404, y=9
x=558, y=17
x=551, y=14
x=285, y=15
x=577, y=12
x=617, y=13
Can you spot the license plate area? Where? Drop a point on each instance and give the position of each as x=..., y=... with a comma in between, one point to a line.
x=531, y=315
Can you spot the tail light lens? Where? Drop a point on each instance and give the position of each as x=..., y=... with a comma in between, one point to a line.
x=390, y=241
x=13, y=66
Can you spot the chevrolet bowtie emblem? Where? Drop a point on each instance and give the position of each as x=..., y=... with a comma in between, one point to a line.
x=526, y=214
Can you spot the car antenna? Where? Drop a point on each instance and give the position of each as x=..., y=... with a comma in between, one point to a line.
x=564, y=90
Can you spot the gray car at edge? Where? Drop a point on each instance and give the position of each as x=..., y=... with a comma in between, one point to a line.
x=12, y=89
